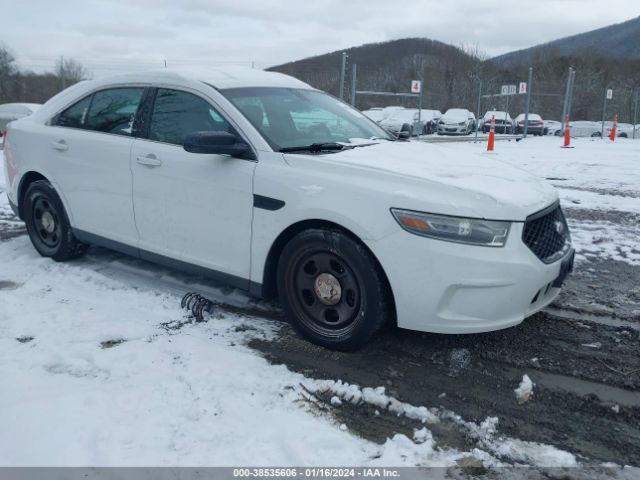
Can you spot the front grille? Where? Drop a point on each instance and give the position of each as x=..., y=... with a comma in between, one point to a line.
x=547, y=235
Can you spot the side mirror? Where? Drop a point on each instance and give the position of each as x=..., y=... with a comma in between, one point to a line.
x=220, y=143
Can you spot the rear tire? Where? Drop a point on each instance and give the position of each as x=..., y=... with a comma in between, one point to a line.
x=48, y=225
x=333, y=292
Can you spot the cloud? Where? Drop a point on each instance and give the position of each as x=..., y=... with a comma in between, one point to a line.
x=116, y=35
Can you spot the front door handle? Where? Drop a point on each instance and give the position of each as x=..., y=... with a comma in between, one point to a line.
x=149, y=160
x=60, y=145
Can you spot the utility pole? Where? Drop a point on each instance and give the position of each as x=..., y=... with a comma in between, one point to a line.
x=342, y=74
x=635, y=114
x=565, y=106
x=526, y=109
x=354, y=77
x=478, y=109
x=604, y=110
x=62, y=79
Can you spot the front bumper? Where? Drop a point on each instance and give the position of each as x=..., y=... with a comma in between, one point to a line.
x=452, y=129
x=446, y=287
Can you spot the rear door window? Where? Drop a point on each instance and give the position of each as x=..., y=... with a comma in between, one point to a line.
x=75, y=115
x=113, y=110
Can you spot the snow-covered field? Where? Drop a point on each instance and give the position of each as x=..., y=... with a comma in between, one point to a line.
x=101, y=369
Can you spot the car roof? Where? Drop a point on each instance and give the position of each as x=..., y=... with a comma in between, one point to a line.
x=218, y=77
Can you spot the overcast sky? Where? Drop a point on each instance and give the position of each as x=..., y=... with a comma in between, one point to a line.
x=120, y=35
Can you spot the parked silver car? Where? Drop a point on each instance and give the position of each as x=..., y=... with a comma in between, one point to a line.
x=457, y=121
x=403, y=120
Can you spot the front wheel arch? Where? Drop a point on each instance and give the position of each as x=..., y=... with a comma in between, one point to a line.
x=269, y=277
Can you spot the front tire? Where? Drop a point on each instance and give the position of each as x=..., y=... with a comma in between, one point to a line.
x=48, y=225
x=332, y=290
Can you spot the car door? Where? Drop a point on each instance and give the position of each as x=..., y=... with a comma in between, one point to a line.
x=194, y=208
x=90, y=145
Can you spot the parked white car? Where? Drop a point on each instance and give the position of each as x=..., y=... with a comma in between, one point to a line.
x=551, y=127
x=457, y=121
x=583, y=128
x=623, y=130
x=13, y=111
x=265, y=183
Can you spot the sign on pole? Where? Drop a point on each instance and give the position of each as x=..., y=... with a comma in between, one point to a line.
x=508, y=90
x=609, y=94
x=416, y=86
x=523, y=87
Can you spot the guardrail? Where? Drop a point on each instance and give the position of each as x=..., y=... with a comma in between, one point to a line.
x=470, y=138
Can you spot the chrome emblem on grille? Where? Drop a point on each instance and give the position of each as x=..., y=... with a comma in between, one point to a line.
x=559, y=227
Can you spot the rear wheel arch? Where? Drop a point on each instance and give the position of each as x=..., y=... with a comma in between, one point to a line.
x=269, y=276
x=26, y=180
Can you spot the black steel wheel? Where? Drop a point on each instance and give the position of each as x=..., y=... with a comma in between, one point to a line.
x=47, y=223
x=333, y=292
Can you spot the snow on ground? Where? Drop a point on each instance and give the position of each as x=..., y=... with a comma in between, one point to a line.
x=99, y=371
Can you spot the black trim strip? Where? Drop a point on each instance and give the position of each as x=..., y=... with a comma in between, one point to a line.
x=228, y=279
x=267, y=203
x=14, y=208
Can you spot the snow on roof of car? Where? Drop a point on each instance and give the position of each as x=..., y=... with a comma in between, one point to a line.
x=497, y=113
x=218, y=77
x=19, y=107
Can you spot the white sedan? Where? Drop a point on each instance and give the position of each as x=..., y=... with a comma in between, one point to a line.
x=263, y=182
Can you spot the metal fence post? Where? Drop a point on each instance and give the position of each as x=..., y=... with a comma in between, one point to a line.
x=354, y=73
x=478, y=110
x=635, y=115
x=571, y=89
x=604, y=111
x=566, y=98
x=526, y=109
x=342, y=74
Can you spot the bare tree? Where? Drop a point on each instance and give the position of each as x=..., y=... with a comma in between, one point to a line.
x=7, y=71
x=70, y=71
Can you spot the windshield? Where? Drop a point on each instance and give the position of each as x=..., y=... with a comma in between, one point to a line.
x=290, y=117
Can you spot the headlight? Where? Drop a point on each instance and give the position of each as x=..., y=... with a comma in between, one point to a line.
x=474, y=231
x=462, y=123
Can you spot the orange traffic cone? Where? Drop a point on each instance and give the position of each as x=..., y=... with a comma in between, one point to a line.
x=492, y=135
x=612, y=135
x=567, y=133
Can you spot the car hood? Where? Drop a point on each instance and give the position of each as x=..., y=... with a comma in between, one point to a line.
x=444, y=180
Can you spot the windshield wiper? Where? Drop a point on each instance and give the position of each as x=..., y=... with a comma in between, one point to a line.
x=315, y=148
x=324, y=147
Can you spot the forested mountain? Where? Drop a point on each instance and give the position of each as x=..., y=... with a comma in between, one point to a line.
x=452, y=75
x=620, y=41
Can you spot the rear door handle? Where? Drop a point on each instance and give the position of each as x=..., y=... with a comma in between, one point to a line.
x=60, y=145
x=149, y=160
